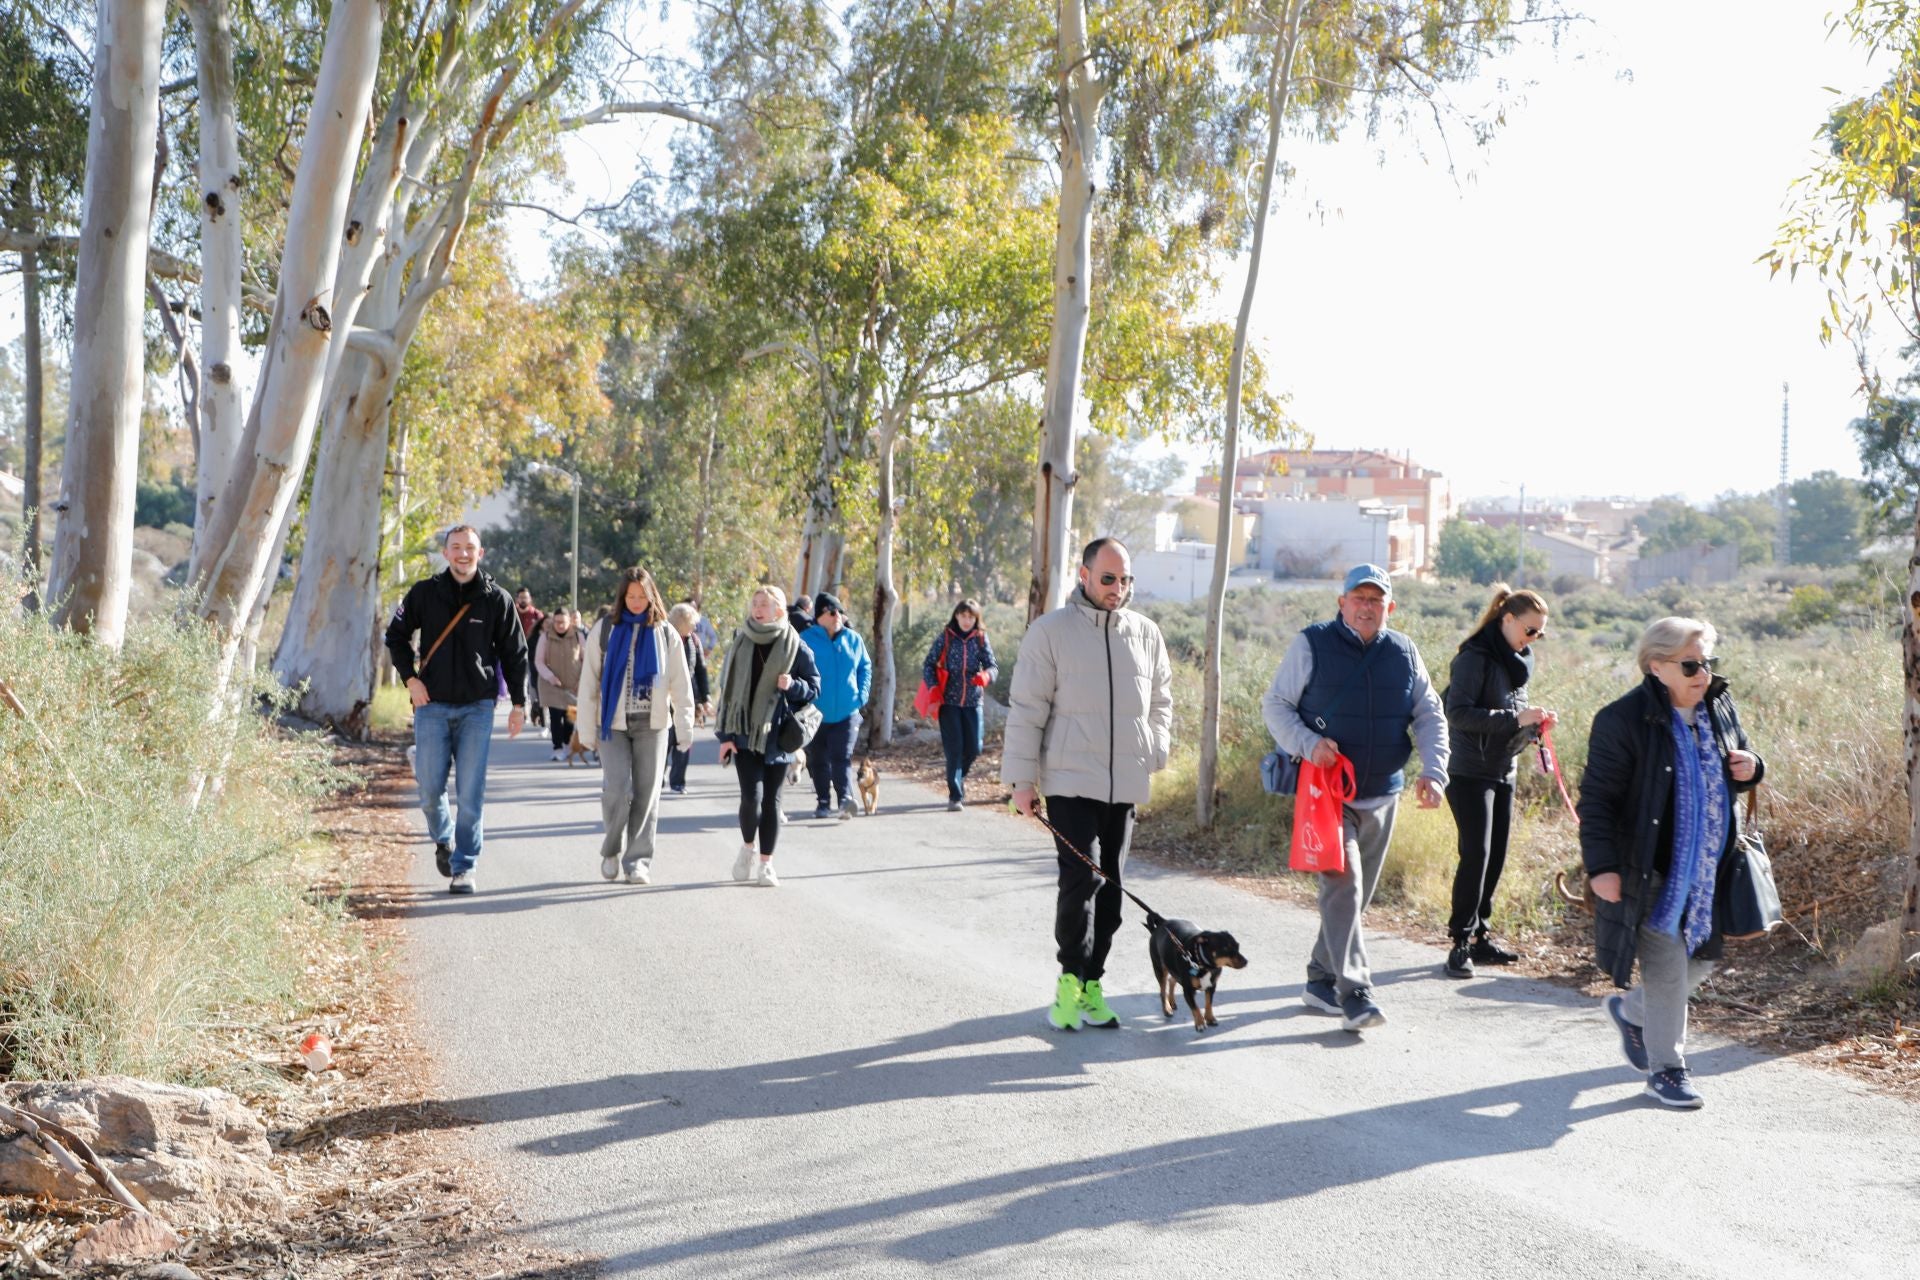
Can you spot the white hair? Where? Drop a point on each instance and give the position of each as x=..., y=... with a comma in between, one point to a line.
x=774, y=593
x=1665, y=638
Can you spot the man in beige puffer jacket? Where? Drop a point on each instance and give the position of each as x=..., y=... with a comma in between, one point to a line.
x=1089, y=722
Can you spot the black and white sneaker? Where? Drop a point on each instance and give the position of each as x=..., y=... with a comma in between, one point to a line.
x=443, y=859
x=1321, y=997
x=1633, y=1041
x=1359, y=1011
x=1460, y=961
x=1674, y=1088
x=1487, y=951
x=462, y=883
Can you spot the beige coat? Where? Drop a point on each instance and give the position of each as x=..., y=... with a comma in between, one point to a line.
x=1091, y=709
x=672, y=688
x=557, y=660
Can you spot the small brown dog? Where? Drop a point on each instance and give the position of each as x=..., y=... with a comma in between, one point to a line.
x=866, y=779
x=575, y=750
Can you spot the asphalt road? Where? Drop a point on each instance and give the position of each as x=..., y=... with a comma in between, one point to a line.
x=851, y=1075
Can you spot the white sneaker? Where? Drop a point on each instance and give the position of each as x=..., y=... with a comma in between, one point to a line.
x=641, y=874
x=767, y=879
x=559, y=753
x=609, y=868
x=462, y=883
x=743, y=865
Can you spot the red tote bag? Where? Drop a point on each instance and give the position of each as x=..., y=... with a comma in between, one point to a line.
x=1319, y=838
x=927, y=699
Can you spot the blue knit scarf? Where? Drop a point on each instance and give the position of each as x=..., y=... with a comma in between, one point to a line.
x=613, y=677
x=1701, y=812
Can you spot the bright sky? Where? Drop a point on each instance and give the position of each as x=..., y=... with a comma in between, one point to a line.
x=1579, y=310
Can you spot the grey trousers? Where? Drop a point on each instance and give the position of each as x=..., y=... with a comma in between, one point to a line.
x=1340, y=952
x=630, y=765
x=1668, y=976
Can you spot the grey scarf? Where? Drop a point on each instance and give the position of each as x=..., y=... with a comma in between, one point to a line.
x=749, y=713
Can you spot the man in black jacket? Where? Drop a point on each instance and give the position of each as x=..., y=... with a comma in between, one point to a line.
x=472, y=649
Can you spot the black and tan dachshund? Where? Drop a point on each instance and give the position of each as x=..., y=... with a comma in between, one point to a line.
x=1197, y=968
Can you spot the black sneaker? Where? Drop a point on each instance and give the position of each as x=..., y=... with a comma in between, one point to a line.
x=1460, y=961
x=1359, y=1010
x=823, y=811
x=443, y=859
x=1633, y=1041
x=1487, y=951
x=1320, y=997
x=1674, y=1088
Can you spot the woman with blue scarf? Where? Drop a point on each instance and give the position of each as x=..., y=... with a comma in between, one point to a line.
x=1657, y=823
x=634, y=686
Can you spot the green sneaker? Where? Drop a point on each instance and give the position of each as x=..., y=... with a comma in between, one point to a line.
x=1065, y=1013
x=1093, y=1008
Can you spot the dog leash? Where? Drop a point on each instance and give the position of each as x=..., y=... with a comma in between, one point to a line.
x=1550, y=763
x=1154, y=919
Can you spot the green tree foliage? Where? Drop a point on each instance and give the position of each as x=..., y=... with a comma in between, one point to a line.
x=44, y=86
x=1747, y=520
x=1829, y=513
x=1482, y=554
x=1888, y=435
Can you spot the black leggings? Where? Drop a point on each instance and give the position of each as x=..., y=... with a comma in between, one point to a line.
x=760, y=785
x=559, y=726
x=1483, y=811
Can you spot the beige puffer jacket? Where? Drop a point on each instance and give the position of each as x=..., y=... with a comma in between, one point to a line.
x=672, y=688
x=1091, y=709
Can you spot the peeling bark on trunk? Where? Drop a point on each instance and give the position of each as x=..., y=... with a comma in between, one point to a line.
x=880, y=701
x=1277, y=89
x=1910, y=654
x=1080, y=93
x=278, y=437
x=93, y=545
x=222, y=398
x=823, y=543
x=35, y=427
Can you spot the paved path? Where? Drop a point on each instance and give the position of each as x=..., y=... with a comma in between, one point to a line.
x=850, y=1075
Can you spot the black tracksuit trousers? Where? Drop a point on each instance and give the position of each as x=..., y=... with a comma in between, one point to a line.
x=1483, y=812
x=1087, y=912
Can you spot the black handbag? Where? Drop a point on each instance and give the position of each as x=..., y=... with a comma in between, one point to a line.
x=796, y=727
x=1753, y=899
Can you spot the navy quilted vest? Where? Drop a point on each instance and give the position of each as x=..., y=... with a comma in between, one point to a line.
x=1371, y=721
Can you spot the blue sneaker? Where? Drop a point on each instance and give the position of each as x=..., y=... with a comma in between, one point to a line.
x=1674, y=1088
x=1359, y=1010
x=1633, y=1042
x=1321, y=997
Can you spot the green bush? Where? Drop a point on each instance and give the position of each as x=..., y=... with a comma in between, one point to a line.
x=132, y=919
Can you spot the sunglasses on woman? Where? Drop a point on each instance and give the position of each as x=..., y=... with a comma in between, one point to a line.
x=1691, y=667
x=1531, y=632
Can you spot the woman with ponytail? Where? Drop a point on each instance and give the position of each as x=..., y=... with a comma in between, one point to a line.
x=1490, y=723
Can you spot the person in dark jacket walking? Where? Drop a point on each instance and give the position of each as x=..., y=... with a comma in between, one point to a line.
x=472, y=642
x=964, y=653
x=1657, y=820
x=766, y=666
x=1488, y=724
x=685, y=618
x=530, y=620
x=846, y=677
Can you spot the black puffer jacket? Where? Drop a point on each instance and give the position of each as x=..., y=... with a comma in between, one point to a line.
x=1486, y=692
x=1626, y=812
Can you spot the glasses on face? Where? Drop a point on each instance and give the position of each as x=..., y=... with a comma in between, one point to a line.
x=1108, y=579
x=1534, y=631
x=1691, y=667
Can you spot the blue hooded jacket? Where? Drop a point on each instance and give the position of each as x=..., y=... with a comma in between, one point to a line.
x=846, y=672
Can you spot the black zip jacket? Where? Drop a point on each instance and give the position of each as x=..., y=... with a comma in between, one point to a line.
x=1626, y=812
x=488, y=643
x=1486, y=692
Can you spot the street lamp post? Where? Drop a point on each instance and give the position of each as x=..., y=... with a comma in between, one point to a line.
x=574, y=480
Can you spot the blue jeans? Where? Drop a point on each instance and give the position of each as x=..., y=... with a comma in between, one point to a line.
x=830, y=760
x=960, y=738
x=445, y=733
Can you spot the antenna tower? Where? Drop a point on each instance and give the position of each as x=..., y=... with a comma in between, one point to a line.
x=1783, y=530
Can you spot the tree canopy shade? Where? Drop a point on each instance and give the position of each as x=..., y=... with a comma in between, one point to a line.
x=1829, y=514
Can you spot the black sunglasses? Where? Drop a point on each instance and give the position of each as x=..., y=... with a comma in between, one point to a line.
x=1535, y=631
x=1108, y=579
x=1691, y=667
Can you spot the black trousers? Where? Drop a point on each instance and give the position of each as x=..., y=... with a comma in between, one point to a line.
x=678, y=758
x=1086, y=914
x=1483, y=812
x=830, y=761
x=760, y=785
x=559, y=726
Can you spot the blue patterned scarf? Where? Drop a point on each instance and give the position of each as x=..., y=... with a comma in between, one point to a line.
x=613, y=677
x=1701, y=812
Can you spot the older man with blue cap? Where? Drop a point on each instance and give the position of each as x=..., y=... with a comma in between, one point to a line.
x=1350, y=687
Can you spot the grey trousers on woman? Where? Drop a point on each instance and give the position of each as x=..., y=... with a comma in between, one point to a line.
x=630, y=764
x=1668, y=976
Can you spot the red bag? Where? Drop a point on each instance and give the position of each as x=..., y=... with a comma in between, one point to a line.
x=1319, y=837
x=927, y=699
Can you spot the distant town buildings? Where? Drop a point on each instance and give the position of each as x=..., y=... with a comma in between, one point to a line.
x=1360, y=477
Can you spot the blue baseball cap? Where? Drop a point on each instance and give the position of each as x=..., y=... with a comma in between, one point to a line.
x=1362, y=574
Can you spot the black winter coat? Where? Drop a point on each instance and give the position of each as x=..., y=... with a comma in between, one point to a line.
x=1626, y=812
x=488, y=644
x=1486, y=692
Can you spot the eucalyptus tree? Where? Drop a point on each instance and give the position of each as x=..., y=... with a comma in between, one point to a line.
x=43, y=86
x=1855, y=221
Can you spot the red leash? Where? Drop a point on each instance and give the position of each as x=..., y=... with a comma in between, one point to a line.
x=1550, y=763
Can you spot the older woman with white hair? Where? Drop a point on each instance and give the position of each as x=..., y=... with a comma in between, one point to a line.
x=1657, y=823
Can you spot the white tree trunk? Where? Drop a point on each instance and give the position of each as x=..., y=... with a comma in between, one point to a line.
x=223, y=383
x=1909, y=949
x=886, y=600
x=1080, y=93
x=93, y=545
x=823, y=540
x=35, y=412
x=279, y=433
x=1277, y=90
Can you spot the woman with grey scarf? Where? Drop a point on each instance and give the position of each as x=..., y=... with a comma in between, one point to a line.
x=766, y=667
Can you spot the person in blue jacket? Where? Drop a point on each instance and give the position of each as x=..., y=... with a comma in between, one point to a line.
x=846, y=674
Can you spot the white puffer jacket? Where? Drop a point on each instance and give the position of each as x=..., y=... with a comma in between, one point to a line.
x=1091, y=709
x=672, y=688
